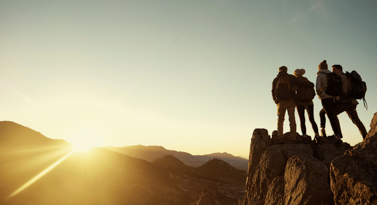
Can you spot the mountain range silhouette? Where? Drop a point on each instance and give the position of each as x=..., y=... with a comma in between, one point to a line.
x=38, y=170
x=151, y=153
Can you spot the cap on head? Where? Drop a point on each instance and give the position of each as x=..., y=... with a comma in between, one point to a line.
x=299, y=72
x=323, y=65
x=283, y=69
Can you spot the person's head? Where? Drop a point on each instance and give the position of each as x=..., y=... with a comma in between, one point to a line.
x=337, y=69
x=323, y=65
x=299, y=72
x=283, y=69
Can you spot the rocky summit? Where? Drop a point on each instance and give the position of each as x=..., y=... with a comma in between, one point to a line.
x=328, y=171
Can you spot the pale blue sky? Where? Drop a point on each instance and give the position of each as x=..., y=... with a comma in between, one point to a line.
x=192, y=75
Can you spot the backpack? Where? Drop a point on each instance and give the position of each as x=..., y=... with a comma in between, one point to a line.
x=282, y=89
x=305, y=94
x=334, y=84
x=358, y=87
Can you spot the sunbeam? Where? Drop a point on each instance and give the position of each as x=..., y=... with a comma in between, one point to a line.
x=40, y=175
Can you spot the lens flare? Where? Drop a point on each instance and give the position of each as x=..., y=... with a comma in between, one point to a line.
x=40, y=175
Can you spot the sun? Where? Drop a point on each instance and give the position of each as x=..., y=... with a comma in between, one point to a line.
x=85, y=139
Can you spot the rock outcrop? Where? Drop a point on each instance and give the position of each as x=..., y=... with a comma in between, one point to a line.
x=309, y=172
x=354, y=175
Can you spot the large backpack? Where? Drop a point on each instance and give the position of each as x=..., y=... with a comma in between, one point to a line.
x=305, y=94
x=283, y=88
x=358, y=86
x=334, y=84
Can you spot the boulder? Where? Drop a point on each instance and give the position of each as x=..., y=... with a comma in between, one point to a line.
x=306, y=181
x=354, y=175
x=328, y=171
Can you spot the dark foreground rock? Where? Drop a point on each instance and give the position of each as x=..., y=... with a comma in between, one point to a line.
x=309, y=172
x=354, y=175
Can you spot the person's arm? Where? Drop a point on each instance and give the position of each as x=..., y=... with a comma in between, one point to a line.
x=273, y=91
x=318, y=84
x=301, y=83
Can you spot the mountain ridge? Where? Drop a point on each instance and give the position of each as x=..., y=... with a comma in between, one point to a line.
x=151, y=153
x=14, y=133
x=39, y=170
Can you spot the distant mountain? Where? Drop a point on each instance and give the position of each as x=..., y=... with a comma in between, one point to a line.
x=217, y=169
x=173, y=164
x=151, y=153
x=214, y=170
x=215, y=179
x=37, y=170
x=18, y=136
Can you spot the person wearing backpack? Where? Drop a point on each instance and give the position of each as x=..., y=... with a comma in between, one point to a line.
x=284, y=97
x=326, y=85
x=346, y=102
x=304, y=101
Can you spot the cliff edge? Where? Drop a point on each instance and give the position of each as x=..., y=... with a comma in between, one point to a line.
x=308, y=172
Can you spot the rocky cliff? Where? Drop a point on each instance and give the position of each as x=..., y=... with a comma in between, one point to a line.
x=309, y=172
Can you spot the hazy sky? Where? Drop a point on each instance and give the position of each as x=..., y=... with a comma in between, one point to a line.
x=192, y=76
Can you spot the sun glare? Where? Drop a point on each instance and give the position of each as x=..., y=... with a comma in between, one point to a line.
x=84, y=140
x=40, y=175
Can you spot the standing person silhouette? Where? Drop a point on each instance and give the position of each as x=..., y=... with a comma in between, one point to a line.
x=304, y=101
x=345, y=103
x=328, y=101
x=284, y=97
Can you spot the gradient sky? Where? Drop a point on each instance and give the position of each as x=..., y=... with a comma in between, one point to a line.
x=192, y=76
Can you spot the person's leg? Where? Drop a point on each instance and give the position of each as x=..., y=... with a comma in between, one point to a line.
x=322, y=117
x=340, y=107
x=292, y=121
x=310, y=111
x=301, y=114
x=352, y=114
x=281, y=114
x=328, y=105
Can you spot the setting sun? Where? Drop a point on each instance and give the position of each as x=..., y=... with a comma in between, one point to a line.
x=83, y=140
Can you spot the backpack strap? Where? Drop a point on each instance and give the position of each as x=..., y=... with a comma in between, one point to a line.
x=365, y=103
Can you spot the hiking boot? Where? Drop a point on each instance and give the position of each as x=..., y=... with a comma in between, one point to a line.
x=335, y=139
x=316, y=137
x=338, y=136
x=323, y=132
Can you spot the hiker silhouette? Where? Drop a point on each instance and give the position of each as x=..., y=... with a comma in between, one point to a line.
x=284, y=95
x=344, y=102
x=304, y=101
x=324, y=77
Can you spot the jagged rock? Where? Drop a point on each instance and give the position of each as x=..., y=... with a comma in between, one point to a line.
x=373, y=127
x=275, y=192
x=354, y=175
x=306, y=181
x=259, y=142
x=307, y=172
x=327, y=152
